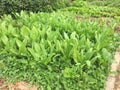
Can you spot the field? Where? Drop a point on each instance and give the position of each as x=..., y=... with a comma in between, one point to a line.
x=68, y=49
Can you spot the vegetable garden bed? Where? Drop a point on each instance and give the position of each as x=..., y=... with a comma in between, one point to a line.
x=56, y=51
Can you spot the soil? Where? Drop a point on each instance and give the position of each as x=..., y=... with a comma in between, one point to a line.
x=113, y=82
x=117, y=82
x=110, y=84
x=17, y=86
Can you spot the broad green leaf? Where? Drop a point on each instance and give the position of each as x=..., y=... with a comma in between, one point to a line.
x=23, y=50
x=14, y=51
x=59, y=47
x=25, y=31
x=89, y=54
x=22, y=46
x=73, y=35
x=88, y=43
x=106, y=54
x=43, y=49
x=34, y=54
x=18, y=42
x=66, y=35
x=5, y=39
x=34, y=34
x=36, y=47
x=76, y=55
x=88, y=63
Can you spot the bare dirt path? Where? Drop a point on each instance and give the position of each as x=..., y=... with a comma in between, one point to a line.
x=113, y=82
x=117, y=81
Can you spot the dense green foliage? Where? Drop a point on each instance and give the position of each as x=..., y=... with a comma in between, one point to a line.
x=109, y=3
x=56, y=51
x=88, y=9
x=70, y=49
x=11, y=6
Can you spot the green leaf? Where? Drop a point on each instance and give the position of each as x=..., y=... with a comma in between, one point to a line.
x=5, y=39
x=32, y=64
x=88, y=63
x=73, y=35
x=25, y=31
x=59, y=47
x=33, y=53
x=19, y=43
x=76, y=54
x=66, y=35
x=14, y=51
x=67, y=72
x=36, y=47
x=34, y=34
x=24, y=61
x=106, y=55
x=89, y=54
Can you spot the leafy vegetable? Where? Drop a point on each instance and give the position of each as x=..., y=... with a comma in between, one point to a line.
x=56, y=51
